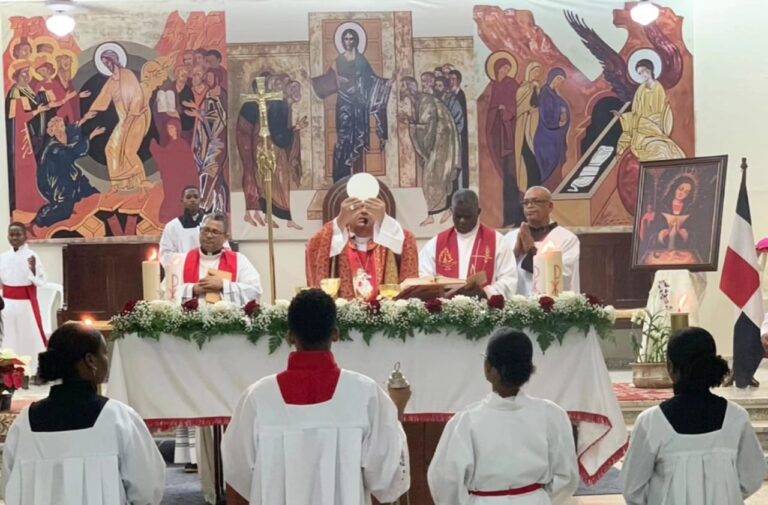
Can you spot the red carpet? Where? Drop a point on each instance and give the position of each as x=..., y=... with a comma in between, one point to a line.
x=629, y=393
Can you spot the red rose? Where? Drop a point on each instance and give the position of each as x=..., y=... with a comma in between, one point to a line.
x=434, y=306
x=191, y=305
x=374, y=307
x=251, y=308
x=496, y=302
x=129, y=307
x=593, y=300
x=546, y=303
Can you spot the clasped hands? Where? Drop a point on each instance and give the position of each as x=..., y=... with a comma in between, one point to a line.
x=525, y=242
x=208, y=284
x=351, y=208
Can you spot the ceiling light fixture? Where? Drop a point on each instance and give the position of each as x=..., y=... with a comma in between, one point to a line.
x=60, y=24
x=644, y=12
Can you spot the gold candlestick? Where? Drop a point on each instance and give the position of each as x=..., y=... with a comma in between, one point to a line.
x=678, y=321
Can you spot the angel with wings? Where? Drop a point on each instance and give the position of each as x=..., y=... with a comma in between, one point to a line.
x=647, y=125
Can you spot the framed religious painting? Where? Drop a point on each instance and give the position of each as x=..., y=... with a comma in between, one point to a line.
x=679, y=211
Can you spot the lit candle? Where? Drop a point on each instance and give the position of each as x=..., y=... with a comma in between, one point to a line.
x=678, y=321
x=88, y=321
x=548, y=272
x=150, y=275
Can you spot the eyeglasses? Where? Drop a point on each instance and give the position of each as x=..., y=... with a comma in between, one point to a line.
x=211, y=232
x=534, y=202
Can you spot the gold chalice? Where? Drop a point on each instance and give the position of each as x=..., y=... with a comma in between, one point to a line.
x=390, y=291
x=331, y=286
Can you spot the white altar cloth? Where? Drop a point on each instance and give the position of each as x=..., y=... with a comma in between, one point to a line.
x=172, y=382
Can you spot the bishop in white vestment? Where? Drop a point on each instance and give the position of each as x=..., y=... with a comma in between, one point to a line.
x=540, y=234
x=314, y=434
x=21, y=273
x=469, y=248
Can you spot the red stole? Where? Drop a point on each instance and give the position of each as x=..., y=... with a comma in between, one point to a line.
x=364, y=260
x=227, y=263
x=483, y=255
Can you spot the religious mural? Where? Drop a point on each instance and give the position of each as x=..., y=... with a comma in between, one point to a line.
x=542, y=121
x=102, y=139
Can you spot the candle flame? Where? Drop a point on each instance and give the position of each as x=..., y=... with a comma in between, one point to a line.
x=88, y=321
x=153, y=255
x=681, y=303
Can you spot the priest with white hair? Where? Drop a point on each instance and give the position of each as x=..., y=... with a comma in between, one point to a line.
x=539, y=233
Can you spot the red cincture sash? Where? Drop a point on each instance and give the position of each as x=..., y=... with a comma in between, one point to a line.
x=509, y=492
x=227, y=263
x=359, y=260
x=27, y=293
x=483, y=254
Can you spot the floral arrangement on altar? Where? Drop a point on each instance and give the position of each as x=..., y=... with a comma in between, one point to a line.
x=548, y=317
x=650, y=345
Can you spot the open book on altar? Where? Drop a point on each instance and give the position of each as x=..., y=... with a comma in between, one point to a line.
x=225, y=276
x=429, y=288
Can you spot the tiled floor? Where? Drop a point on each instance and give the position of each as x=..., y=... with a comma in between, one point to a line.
x=759, y=498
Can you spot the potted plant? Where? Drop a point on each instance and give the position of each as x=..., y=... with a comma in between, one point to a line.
x=12, y=376
x=650, y=346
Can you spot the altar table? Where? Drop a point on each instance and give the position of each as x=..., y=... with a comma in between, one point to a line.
x=172, y=382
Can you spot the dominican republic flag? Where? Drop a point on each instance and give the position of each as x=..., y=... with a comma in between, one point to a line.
x=741, y=283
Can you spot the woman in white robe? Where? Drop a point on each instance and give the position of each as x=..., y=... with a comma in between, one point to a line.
x=76, y=447
x=509, y=448
x=696, y=447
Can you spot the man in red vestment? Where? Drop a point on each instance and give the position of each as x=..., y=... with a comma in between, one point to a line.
x=469, y=248
x=364, y=247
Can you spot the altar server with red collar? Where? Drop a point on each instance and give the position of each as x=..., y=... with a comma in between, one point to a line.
x=509, y=448
x=21, y=273
x=469, y=248
x=245, y=284
x=538, y=234
x=314, y=434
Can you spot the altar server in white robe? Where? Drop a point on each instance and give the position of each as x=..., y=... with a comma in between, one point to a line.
x=314, y=434
x=245, y=283
x=182, y=234
x=76, y=447
x=538, y=234
x=509, y=448
x=21, y=273
x=695, y=448
x=469, y=248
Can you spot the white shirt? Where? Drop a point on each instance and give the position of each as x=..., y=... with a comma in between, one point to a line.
x=559, y=239
x=504, y=280
x=115, y=462
x=246, y=288
x=722, y=467
x=15, y=271
x=388, y=234
x=339, y=452
x=505, y=443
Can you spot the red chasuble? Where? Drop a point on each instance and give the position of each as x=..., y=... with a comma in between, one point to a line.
x=227, y=263
x=483, y=254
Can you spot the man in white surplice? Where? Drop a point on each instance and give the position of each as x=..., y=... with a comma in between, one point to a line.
x=468, y=248
x=245, y=283
x=21, y=273
x=314, y=434
x=540, y=234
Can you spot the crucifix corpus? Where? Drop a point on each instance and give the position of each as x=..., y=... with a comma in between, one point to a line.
x=266, y=161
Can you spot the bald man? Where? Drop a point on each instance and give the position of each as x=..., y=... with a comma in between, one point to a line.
x=539, y=233
x=468, y=248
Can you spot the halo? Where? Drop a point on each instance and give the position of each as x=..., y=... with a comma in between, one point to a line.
x=74, y=57
x=490, y=63
x=122, y=57
x=44, y=39
x=644, y=54
x=40, y=60
x=362, y=37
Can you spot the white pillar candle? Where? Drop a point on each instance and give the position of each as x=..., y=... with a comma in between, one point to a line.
x=548, y=273
x=173, y=278
x=150, y=276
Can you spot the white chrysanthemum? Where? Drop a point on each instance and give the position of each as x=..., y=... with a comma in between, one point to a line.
x=639, y=317
x=341, y=302
x=282, y=303
x=610, y=312
x=462, y=301
x=401, y=303
x=225, y=307
x=161, y=306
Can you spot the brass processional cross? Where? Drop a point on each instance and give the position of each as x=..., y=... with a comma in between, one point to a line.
x=267, y=162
